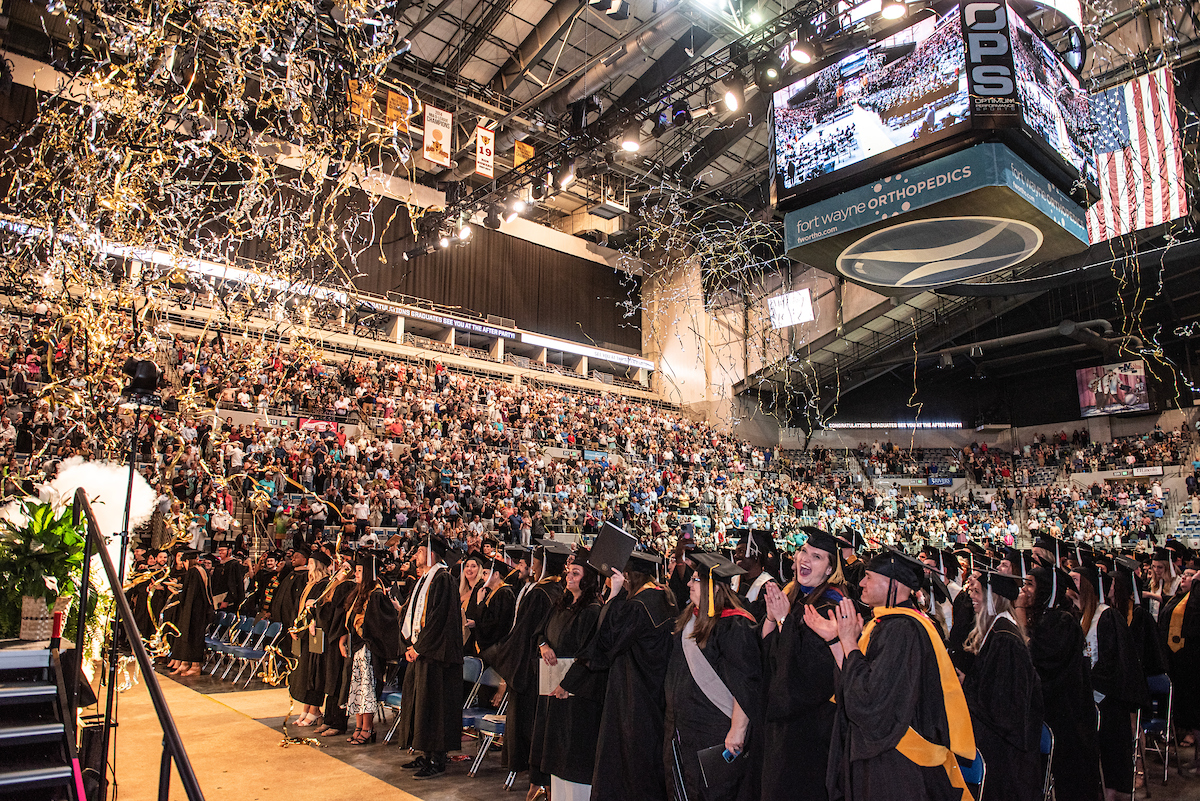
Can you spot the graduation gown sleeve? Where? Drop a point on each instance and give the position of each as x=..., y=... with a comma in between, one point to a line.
x=495, y=617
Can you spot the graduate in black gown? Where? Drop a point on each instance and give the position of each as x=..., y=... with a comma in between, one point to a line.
x=633, y=645
x=1118, y=681
x=192, y=618
x=330, y=617
x=713, y=688
x=494, y=609
x=1056, y=645
x=757, y=555
x=306, y=682
x=1003, y=691
x=1179, y=628
x=899, y=701
x=799, y=675
x=516, y=658
x=431, y=711
x=285, y=600
x=567, y=726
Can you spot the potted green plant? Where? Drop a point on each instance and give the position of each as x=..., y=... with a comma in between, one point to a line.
x=41, y=558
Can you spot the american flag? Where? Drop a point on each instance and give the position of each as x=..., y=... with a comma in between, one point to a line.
x=1139, y=163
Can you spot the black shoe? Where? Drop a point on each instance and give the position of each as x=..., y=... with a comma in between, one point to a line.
x=417, y=764
x=431, y=769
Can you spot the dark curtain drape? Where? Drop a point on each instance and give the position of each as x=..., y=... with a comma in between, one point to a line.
x=541, y=289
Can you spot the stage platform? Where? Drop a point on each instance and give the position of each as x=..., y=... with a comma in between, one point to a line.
x=233, y=738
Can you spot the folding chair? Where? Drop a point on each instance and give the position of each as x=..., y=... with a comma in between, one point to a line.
x=1159, y=728
x=974, y=774
x=472, y=671
x=391, y=697
x=237, y=652
x=257, y=653
x=472, y=713
x=1048, y=752
x=489, y=727
x=236, y=635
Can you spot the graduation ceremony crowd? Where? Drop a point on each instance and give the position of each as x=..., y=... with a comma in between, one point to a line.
x=769, y=639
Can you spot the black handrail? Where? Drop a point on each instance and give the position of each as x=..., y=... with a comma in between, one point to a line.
x=172, y=744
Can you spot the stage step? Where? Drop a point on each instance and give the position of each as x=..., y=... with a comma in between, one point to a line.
x=33, y=777
x=35, y=760
x=22, y=733
x=27, y=692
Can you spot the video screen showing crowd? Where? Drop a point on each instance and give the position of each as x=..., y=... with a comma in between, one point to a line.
x=908, y=86
x=836, y=671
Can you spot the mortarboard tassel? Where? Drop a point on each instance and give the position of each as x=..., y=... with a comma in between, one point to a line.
x=712, y=609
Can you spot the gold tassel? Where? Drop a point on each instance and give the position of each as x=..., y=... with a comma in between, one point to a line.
x=712, y=607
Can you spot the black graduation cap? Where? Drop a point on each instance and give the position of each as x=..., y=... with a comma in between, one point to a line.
x=367, y=558
x=452, y=556
x=437, y=544
x=824, y=541
x=303, y=550
x=518, y=552
x=189, y=553
x=759, y=546
x=1180, y=550
x=1057, y=579
x=851, y=538
x=1129, y=567
x=645, y=562
x=1162, y=554
x=714, y=568
x=321, y=558
x=1019, y=561
x=718, y=567
x=553, y=556
x=898, y=566
x=1003, y=584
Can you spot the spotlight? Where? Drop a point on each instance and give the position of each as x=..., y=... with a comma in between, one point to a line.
x=444, y=241
x=660, y=125
x=681, y=115
x=767, y=74
x=631, y=140
x=492, y=220
x=418, y=252
x=893, y=9
x=539, y=189
x=514, y=209
x=565, y=175
x=805, y=52
x=464, y=233
x=143, y=379
x=735, y=91
x=755, y=18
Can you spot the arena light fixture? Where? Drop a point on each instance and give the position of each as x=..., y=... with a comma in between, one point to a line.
x=681, y=114
x=515, y=207
x=565, y=175
x=755, y=18
x=735, y=91
x=767, y=74
x=893, y=9
x=444, y=242
x=631, y=140
x=492, y=220
x=804, y=52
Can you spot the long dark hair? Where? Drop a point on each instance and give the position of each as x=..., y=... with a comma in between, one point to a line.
x=723, y=598
x=589, y=590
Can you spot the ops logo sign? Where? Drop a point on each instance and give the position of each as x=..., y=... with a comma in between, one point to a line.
x=990, y=72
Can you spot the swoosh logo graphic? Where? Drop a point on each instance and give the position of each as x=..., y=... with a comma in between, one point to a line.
x=935, y=254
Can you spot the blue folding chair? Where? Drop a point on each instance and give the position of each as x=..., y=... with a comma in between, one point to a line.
x=236, y=653
x=974, y=773
x=235, y=635
x=471, y=711
x=256, y=654
x=1158, y=727
x=472, y=671
x=490, y=726
x=1047, y=749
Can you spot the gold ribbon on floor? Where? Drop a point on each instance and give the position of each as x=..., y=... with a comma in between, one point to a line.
x=288, y=740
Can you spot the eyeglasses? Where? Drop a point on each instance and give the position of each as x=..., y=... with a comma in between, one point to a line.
x=695, y=579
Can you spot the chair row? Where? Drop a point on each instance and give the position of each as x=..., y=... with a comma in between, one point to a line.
x=239, y=640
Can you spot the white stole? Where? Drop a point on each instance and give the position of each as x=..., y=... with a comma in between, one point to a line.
x=414, y=618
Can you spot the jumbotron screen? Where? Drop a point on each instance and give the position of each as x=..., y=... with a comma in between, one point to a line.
x=909, y=88
x=1053, y=104
x=1112, y=389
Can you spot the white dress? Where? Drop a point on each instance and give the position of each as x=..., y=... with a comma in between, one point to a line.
x=361, y=700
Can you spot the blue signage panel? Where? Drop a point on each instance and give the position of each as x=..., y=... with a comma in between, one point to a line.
x=941, y=481
x=942, y=179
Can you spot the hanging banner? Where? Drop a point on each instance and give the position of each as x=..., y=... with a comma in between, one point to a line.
x=522, y=153
x=398, y=109
x=437, y=135
x=362, y=100
x=485, y=151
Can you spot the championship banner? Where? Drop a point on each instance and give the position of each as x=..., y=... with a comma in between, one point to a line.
x=522, y=153
x=438, y=124
x=485, y=151
x=398, y=109
x=362, y=100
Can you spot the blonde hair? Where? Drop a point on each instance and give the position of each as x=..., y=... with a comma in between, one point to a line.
x=994, y=606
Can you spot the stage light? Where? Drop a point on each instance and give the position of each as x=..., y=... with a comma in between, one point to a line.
x=464, y=233
x=492, y=220
x=680, y=113
x=735, y=91
x=767, y=74
x=631, y=140
x=539, y=189
x=755, y=18
x=515, y=207
x=565, y=175
x=143, y=378
x=893, y=9
x=444, y=241
x=804, y=52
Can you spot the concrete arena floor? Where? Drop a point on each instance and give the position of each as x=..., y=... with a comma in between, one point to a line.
x=233, y=737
